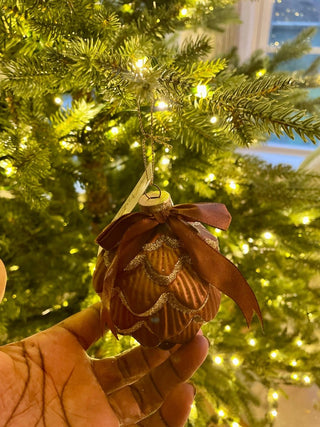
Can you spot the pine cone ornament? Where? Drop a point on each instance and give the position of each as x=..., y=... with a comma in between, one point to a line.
x=160, y=274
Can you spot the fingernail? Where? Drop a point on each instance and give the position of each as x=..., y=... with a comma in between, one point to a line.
x=209, y=343
x=194, y=389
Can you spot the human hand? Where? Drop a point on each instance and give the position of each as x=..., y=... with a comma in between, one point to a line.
x=49, y=380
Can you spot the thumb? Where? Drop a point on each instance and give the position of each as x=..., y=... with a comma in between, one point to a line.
x=3, y=279
x=85, y=325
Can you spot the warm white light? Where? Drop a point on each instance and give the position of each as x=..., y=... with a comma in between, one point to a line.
x=211, y=177
x=184, y=11
x=232, y=185
x=218, y=360
x=73, y=251
x=235, y=361
x=293, y=363
x=213, y=120
x=245, y=248
x=167, y=150
x=165, y=161
x=267, y=235
x=274, y=412
x=201, y=91
x=275, y=395
x=114, y=130
x=227, y=328
x=307, y=379
x=221, y=413
x=273, y=354
x=57, y=100
x=235, y=424
x=141, y=62
x=162, y=105
x=294, y=376
x=299, y=343
x=88, y=128
x=305, y=220
x=135, y=144
x=252, y=342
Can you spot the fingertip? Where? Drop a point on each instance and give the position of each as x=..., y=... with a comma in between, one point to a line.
x=177, y=406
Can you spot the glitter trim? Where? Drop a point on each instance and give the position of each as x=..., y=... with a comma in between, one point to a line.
x=167, y=297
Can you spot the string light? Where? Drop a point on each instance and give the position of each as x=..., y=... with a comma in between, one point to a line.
x=227, y=328
x=299, y=343
x=252, y=342
x=274, y=412
x=211, y=177
x=235, y=361
x=261, y=72
x=235, y=424
x=140, y=63
x=267, y=235
x=305, y=220
x=165, y=161
x=307, y=379
x=245, y=248
x=232, y=185
x=57, y=100
x=218, y=360
x=13, y=268
x=202, y=91
x=221, y=413
x=293, y=363
x=295, y=377
x=135, y=144
x=213, y=120
x=114, y=130
x=162, y=105
x=73, y=251
x=275, y=395
x=274, y=354
x=184, y=12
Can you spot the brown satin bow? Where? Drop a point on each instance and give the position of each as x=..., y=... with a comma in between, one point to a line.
x=130, y=232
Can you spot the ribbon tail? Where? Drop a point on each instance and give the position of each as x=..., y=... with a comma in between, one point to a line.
x=214, y=214
x=216, y=269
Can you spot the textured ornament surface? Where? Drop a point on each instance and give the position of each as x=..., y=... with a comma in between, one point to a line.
x=160, y=272
x=158, y=298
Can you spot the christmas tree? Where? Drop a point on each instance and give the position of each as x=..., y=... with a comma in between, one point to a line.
x=93, y=90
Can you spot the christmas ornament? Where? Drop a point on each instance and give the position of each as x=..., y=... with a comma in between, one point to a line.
x=160, y=274
x=3, y=279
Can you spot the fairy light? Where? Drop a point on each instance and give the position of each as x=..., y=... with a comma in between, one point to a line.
x=235, y=424
x=274, y=354
x=184, y=11
x=307, y=379
x=295, y=377
x=235, y=361
x=9, y=169
x=305, y=220
x=267, y=235
x=232, y=185
x=221, y=413
x=299, y=343
x=88, y=128
x=227, y=328
x=135, y=144
x=245, y=248
x=165, y=161
x=210, y=177
x=213, y=120
x=275, y=395
x=13, y=268
x=252, y=342
x=218, y=360
x=140, y=63
x=73, y=251
x=166, y=150
x=162, y=105
x=261, y=72
x=57, y=100
x=293, y=363
x=274, y=412
x=114, y=130
x=202, y=91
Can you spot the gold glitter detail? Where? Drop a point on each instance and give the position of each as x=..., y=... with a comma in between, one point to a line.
x=164, y=238
x=167, y=297
x=212, y=243
x=161, y=279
